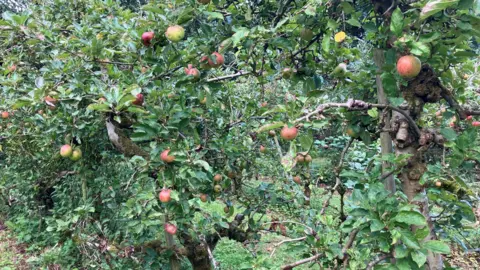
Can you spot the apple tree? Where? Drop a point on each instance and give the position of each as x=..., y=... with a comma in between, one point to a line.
x=119, y=127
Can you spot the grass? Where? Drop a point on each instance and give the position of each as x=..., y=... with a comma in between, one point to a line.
x=12, y=256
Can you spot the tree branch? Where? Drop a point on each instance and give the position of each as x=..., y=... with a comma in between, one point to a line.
x=359, y=105
x=376, y=261
x=238, y=74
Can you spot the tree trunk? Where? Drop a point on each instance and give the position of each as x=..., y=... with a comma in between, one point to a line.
x=385, y=139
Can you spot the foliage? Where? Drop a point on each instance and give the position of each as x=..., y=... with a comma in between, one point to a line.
x=72, y=72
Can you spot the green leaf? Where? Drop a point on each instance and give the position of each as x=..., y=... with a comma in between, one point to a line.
x=204, y=164
x=449, y=134
x=213, y=15
x=435, y=6
x=99, y=107
x=401, y=251
x=373, y=112
x=270, y=126
x=376, y=225
x=224, y=224
x=21, y=103
x=306, y=140
x=437, y=246
x=354, y=22
x=419, y=258
x=411, y=218
x=396, y=26
x=136, y=110
x=420, y=49
x=240, y=33
x=409, y=240
x=326, y=42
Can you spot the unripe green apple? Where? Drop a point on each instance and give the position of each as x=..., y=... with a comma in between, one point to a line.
x=175, y=33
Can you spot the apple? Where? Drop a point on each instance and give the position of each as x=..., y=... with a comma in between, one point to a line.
x=231, y=175
x=219, y=60
x=175, y=33
x=190, y=70
x=138, y=100
x=204, y=197
x=409, y=66
x=5, y=115
x=288, y=133
x=300, y=159
x=226, y=209
x=438, y=113
x=476, y=123
x=264, y=104
x=164, y=195
x=217, y=188
x=165, y=157
x=271, y=133
x=287, y=73
x=204, y=2
x=263, y=149
x=170, y=228
x=147, y=38
x=76, y=155
x=452, y=124
x=102, y=100
x=306, y=34
x=351, y=132
x=51, y=102
x=217, y=178
x=469, y=118
x=465, y=76
x=12, y=68
x=66, y=151
x=144, y=69
x=438, y=183
x=297, y=179
x=308, y=159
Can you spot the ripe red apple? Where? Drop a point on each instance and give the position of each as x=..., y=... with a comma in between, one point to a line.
x=308, y=159
x=147, y=38
x=217, y=178
x=204, y=2
x=271, y=133
x=76, y=155
x=297, y=179
x=175, y=33
x=438, y=183
x=165, y=157
x=409, y=66
x=219, y=60
x=164, y=195
x=138, y=100
x=217, y=188
x=469, y=118
x=66, y=151
x=452, y=124
x=264, y=104
x=476, y=123
x=190, y=70
x=263, y=149
x=5, y=115
x=204, y=197
x=288, y=133
x=170, y=228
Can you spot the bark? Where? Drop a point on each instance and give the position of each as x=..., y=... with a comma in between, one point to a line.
x=385, y=139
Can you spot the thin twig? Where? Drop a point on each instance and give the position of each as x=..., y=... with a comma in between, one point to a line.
x=376, y=261
x=285, y=241
x=238, y=74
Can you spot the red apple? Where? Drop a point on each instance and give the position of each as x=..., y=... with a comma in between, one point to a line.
x=147, y=38
x=288, y=133
x=164, y=195
x=190, y=70
x=476, y=124
x=438, y=183
x=452, y=124
x=297, y=179
x=51, y=102
x=66, y=151
x=165, y=157
x=263, y=149
x=204, y=197
x=409, y=66
x=300, y=159
x=12, y=68
x=102, y=100
x=5, y=115
x=219, y=60
x=217, y=178
x=469, y=118
x=138, y=100
x=170, y=228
